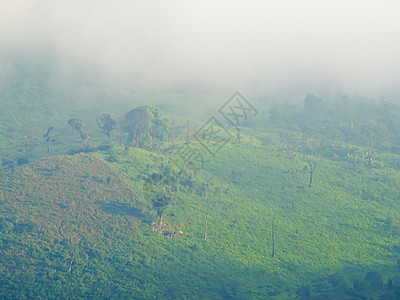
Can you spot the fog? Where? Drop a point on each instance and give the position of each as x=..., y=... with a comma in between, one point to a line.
x=252, y=46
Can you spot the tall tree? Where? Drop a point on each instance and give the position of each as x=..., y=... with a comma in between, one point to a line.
x=312, y=162
x=106, y=125
x=189, y=127
x=49, y=139
x=160, y=190
x=313, y=106
x=273, y=236
x=373, y=135
x=137, y=123
x=77, y=125
x=206, y=221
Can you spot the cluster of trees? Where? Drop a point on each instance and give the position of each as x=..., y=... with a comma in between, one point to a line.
x=144, y=127
x=361, y=120
x=350, y=129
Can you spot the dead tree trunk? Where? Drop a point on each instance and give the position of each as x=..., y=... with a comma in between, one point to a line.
x=206, y=222
x=273, y=236
x=312, y=164
x=120, y=133
x=311, y=176
x=72, y=260
x=205, y=229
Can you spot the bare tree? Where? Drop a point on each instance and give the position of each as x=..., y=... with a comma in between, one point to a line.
x=312, y=162
x=273, y=236
x=106, y=125
x=49, y=139
x=77, y=125
x=206, y=222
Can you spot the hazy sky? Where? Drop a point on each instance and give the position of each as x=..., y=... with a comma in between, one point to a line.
x=232, y=45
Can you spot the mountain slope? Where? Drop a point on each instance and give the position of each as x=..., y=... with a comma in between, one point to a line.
x=56, y=215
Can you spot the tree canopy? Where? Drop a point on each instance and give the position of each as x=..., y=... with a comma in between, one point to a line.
x=145, y=123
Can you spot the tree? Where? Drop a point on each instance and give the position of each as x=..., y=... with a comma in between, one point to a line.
x=207, y=211
x=189, y=127
x=106, y=125
x=160, y=190
x=375, y=280
x=312, y=166
x=49, y=139
x=313, y=106
x=77, y=125
x=145, y=125
x=137, y=123
x=275, y=115
x=372, y=135
x=160, y=129
x=273, y=236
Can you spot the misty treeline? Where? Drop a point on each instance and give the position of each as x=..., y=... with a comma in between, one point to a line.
x=141, y=127
x=345, y=128
x=350, y=128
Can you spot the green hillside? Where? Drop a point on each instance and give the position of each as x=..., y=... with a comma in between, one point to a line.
x=82, y=226
x=83, y=222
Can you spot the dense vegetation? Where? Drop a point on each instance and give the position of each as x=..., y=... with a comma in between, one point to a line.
x=302, y=203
